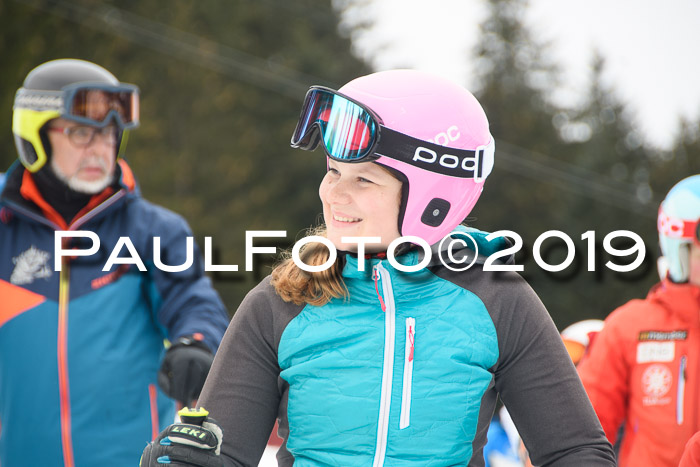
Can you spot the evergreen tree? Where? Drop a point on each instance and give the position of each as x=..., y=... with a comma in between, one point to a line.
x=683, y=160
x=606, y=149
x=221, y=89
x=514, y=76
x=557, y=169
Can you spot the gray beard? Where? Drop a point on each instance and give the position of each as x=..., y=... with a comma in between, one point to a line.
x=82, y=186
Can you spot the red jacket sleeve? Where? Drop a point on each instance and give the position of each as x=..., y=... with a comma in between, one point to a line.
x=691, y=455
x=605, y=372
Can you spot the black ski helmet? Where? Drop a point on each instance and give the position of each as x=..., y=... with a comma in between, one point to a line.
x=57, y=89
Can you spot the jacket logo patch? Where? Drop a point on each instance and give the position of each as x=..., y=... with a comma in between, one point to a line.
x=679, y=335
x=656, y=382
x=656, y=352
x=29, y=265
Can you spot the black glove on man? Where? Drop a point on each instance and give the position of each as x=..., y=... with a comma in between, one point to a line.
x=194, y=442
x=185, y=368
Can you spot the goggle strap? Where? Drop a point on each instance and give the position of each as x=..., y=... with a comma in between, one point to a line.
x=461, y=163
x=38, y=100
x=678, y=228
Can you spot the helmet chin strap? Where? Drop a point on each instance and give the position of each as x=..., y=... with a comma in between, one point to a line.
x=404, y=192
x=662, y=267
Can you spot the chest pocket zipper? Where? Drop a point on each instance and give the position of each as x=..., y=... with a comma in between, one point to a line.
x=405, y=419
x=680, y=400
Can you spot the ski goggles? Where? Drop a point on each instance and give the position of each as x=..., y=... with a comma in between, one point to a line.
x=352, y=132
x=678, y=228
x=348, y=129
x=89, y=104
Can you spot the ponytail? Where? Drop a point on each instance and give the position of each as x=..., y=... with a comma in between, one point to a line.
x=295, y=285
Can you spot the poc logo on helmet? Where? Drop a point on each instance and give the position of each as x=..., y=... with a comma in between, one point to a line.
x=472, y=164
x=444, y=138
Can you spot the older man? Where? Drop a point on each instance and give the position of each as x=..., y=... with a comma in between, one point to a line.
x=82, y=346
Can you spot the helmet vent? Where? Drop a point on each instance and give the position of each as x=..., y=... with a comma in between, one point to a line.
x=435, y=212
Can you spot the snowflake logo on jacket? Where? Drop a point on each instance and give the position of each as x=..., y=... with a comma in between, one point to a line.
x=656, y=382
x=29, y=265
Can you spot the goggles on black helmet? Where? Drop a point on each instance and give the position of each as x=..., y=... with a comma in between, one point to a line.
x=86, y=103
x=352, y=132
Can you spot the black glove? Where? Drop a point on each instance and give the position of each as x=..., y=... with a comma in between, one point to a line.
x=184, y=369
x=194, y=442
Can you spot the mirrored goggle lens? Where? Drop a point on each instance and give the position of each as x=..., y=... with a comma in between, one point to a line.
x=98, y=104
x=348, y=131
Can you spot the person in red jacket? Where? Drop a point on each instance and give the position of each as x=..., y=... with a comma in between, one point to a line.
x=644, y=370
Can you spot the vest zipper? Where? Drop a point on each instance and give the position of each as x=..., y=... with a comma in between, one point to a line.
x=382, y=274
x=405, y=419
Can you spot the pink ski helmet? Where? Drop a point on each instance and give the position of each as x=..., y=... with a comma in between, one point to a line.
x=430, y=132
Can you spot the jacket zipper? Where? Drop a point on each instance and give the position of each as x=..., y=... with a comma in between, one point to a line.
x=389, y=336
x=62, y=351
x=62, y=347
x=98, y=209
x=405, y=419
x=680, y=400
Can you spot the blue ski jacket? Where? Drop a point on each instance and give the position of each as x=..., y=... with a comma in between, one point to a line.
x=80, y=349
x=405, y=371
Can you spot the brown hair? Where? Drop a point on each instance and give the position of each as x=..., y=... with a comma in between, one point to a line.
x=295, y=285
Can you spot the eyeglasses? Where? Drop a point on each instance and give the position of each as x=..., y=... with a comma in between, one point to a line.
x=82, y=136
x=352, y=132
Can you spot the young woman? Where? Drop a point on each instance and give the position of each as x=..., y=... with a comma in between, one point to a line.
x=365, y=363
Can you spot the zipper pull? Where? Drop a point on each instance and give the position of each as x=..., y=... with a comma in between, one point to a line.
x=375, y=276
x=411, y=341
